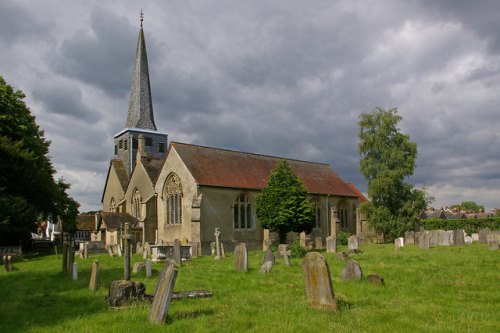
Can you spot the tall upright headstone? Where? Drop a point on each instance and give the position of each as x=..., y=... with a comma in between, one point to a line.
x=85, y=250
x=353, y=243
x=241, y=258
x=163, y=294
x=177, y=251
x=126, y=258
x=94, y=276
x=458, y=237
x=331, y=241
x=75, y=271
x=148, y=268
x=318, y=283
x=424, y=241
x=217, y=243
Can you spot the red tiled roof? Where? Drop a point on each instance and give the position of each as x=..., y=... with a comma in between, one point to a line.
x=85, y=222
x=361, y=196
x=234, y=169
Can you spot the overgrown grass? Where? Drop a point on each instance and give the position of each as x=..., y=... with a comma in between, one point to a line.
x=443, y=289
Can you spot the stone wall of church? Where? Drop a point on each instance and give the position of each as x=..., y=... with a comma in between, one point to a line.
x=114, y=191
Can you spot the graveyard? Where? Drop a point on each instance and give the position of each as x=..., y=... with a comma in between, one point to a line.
x=439, y=289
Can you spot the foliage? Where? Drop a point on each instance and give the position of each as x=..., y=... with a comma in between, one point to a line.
x=342, y=238
x=455, y=293
x=468, y=206
x=28, y=190
x=298, y=251
x=387, y=158
x=283, y=205
x=469, y=225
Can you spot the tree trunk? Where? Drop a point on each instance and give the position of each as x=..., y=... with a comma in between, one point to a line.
x=282, y=236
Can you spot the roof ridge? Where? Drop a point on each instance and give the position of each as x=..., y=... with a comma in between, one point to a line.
x=249, y=153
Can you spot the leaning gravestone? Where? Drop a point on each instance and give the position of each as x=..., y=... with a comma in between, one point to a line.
x=351, y=271
x=94, y=276
x=268, y=256
x=138, y=266
x=318, y=283
x=267, y=267
x=163, y=294
x=241, y=258
x=177, y=251
x=353, y=243
x=458, y=237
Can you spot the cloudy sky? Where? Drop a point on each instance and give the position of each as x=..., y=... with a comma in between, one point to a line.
x=285, y=78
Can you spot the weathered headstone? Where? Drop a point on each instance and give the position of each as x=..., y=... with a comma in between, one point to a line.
x=475, y=237
x=352, y=243
x=177, y=251
x=268, y=256
x=75, y=271
x=194, y=250
x=121, y=291
x=85, y=250
x=417, y=237
x=319, y=242
x=458, y=237
x=138, y=248
x=94, y=276
x=110, y=251
x=342, y=256
x=351, y=271
x=482, y=235
x=493, y=245
x=424, y=240
x=138, y=266
x=468, y=240
x=222, y=251
x=375, y=279
x=148, y=268
x=285, y=254
x=399, y=242
x=241, y=258
x=118, y=250
x=318, y=283
x=266, y=267
x=331, y=244
x=410, y=237
x=163, y=294
x=443, y=238
x=493, y=236
x=7, y=262
x=281, y=248
x=433, y=237
x=146, y=252
x=217, y=243
x=212, y=248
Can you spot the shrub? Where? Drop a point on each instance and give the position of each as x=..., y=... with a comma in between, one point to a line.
x=469, y=225
x=342, y=238
x=298, y=251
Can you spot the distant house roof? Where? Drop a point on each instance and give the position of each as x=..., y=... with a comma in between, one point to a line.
x=153, y=166
x=115, y=220
x=433, y=214
x=455, y=215
x=85, y=222
x=361, y=196
x=234, y=169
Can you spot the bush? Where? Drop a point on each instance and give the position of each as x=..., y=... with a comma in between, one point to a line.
x=469, y=225
x=298, y=251
x=342, y=238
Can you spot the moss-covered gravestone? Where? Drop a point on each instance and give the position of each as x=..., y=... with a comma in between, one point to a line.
x=318, y=283
x=241, y=258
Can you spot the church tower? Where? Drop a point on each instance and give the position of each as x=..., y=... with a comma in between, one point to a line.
x=140, y=118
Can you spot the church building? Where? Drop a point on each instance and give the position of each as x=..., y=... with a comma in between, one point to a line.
x=185, y=191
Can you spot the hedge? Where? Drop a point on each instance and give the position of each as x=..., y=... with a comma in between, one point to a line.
x=469, y=225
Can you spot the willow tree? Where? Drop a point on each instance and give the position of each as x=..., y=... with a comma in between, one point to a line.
x=283, y=205
x=387, y=160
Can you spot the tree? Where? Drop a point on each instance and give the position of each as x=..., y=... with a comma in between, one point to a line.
x=28, y=191
x=468, y=206
x=283, y=205
x=387, y=158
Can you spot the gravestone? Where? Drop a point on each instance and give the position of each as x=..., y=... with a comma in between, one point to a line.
x=7, y=262
x=110, y=251
x=342, y=256
x=353, y=243
x=75, y=271
x=331, y=244
x=177, y=251
x=475, y=237
x=318, y=283
x=118, y=249
x=417, y=237
x=410, y=237
x=443, y=238
x=86, y=250
x=148, y=268
x=468, y=240
x=146, y=251
x=319, y=242
x=458, y=237
x=433, y=237
x=375, y=279
x=398, y=243
x=268, y=256
x=120, y=292
x=351, y=271
x=138, y=266
x=286, y=256
x=493, y=245
x=212, y=248
x=241, y=258
x=482, y=235
x=222, y=251
x=194, y=250
x=94, y=276
x=424, y=240
x=138, y=248
x=163, y=294
x=266, y=267
x=281, y=248
x=493, y=236
x=217, y=243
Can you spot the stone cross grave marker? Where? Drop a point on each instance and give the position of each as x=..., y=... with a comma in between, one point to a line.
x=241, y=258
x=353, y=243
x=163, y=294
x=126, y=258
x=94, y=276
x=351, y=271
x=318, y=283
x=286, y=256
x=177, y=251
x=217, y=243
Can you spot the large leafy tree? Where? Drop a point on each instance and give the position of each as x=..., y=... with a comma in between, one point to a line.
x=28, y=190
x=283, y=205
x=387, y=159
x=469, y=206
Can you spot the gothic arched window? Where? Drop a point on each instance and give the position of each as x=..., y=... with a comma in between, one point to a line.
x=137, y=204
x=242, y=212
x=173, y=200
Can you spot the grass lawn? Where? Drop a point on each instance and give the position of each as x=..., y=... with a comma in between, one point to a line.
x=443, y=289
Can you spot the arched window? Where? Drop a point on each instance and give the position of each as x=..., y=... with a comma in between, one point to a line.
x=242, y=212
x=137, y=204
x=173, y=200
x=112, y=205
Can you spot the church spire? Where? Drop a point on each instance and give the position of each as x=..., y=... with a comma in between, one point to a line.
x=140, y=107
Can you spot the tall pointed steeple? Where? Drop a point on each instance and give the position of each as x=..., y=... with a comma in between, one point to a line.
x=140, y=107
